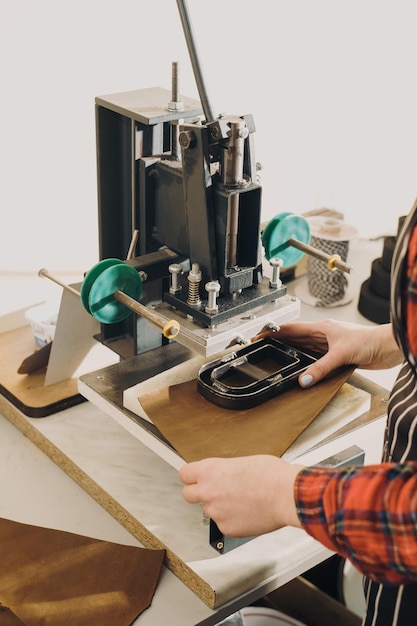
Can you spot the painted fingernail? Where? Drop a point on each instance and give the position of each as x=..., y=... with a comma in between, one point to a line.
x=306, y=380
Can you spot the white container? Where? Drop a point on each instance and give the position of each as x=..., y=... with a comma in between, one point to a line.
x=263, y=616
x=42, y=319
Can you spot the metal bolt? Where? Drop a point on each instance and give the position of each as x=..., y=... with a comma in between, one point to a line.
x=215, y=132
x=175, y=104
x=212, y=289
x=275, y=281
x=194, y=275
x=175, y=269
x=187, y=139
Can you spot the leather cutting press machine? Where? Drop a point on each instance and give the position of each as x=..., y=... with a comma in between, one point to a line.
x=179, y=195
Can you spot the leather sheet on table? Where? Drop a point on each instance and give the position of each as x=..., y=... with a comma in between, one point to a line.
x=197, y=428
x=55, y=578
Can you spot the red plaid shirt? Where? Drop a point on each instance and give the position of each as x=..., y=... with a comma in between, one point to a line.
x=367, y=514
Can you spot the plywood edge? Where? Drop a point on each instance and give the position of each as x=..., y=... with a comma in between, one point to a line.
x=176, y=565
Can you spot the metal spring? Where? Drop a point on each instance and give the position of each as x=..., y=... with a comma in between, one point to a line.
x=194, y=280
x=193, y=294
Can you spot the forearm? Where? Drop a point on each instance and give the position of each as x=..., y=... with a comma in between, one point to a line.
x=368, y=515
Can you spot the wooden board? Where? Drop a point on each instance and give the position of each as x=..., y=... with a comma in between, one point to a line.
x=28, y=391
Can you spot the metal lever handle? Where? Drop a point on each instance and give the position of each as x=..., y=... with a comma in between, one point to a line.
x=195, y=62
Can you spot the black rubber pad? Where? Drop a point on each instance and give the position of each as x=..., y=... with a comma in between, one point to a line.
x=380, y=282
x=372, y=306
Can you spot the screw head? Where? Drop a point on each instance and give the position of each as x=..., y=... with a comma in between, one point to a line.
x=212, y=286
x=187, y=139
x=175, y=268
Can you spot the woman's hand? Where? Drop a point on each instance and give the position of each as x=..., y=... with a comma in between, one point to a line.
x=245, y=496
x=340, y=343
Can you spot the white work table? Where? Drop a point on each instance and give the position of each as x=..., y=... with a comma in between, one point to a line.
x=35, y=490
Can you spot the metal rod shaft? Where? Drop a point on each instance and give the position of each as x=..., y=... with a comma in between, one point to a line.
x=333, y=261
x=168, y=328
x=45, y=274
x=195, y=62
x=174, y=128
x=133, y=242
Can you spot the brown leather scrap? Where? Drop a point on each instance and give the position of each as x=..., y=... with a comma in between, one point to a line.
x=197, y=428
x=55, y=578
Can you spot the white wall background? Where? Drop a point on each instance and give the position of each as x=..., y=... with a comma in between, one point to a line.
x=331, y=84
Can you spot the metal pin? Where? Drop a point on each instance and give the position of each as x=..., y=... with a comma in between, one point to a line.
x=43, y=273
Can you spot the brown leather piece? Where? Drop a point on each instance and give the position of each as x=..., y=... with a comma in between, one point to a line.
x=197, y=428
x=8, y=618
x=55, y=578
